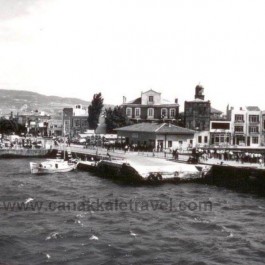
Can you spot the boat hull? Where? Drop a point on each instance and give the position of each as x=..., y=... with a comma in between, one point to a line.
x=50, y=167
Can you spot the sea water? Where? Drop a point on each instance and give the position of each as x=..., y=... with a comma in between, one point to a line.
x=80, y=218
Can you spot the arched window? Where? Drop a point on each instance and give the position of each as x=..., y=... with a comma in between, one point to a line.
x=163, y=113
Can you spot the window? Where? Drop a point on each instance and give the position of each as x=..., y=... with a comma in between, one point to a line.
x=163, y=113
x=84, y=123
x=129, y=112
x=77, y=123
x=199, y=139
x=253, y=129
x=169, y=144
x=172, y=113
x=151, y=99
x=253, y=118
x=220, y=125
x=255, y=140
x=150, y=113
x=137, y=112
x=239, y=118
x=264, y=125
x=239, y=129
x=205, y=139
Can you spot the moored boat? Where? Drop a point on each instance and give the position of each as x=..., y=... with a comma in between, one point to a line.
x=52, y=166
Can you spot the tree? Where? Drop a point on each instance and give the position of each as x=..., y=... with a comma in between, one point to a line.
x=94, y=111
x=116, y=118
x=11, y=126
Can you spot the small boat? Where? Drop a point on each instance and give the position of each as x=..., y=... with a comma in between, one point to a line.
x=52, y=166
x=57, y=165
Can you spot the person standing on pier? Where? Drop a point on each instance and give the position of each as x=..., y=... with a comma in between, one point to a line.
x=126, y=148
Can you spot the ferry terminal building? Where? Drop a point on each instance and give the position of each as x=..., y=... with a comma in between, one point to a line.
x=164, y=135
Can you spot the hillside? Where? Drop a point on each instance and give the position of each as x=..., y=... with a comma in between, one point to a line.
x=17, y=100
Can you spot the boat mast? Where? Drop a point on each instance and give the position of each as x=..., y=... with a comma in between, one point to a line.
x=63, y=138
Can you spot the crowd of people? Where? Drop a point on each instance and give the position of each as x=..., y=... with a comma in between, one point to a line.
x=229, y=155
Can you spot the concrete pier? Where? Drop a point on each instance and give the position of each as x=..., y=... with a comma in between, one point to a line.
x=233, y=175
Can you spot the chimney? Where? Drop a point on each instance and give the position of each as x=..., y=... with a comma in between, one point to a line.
x=124, y=100
x=176, y=100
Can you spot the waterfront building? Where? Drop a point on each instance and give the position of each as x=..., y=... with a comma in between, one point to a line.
x=55, y=126
x=36, y=122
x=246, y=126
x=220, y=133
x=263, y=129
x=151, y=107
x=201, y=139
x=75, y=120
x=157, y=135
x=197, y=112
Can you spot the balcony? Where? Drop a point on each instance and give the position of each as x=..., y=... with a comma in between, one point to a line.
x=253, y=133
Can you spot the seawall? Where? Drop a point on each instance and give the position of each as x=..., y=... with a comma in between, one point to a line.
x=243, y=179
x=10, y=153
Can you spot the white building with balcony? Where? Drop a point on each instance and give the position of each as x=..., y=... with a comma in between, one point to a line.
x=246, y=126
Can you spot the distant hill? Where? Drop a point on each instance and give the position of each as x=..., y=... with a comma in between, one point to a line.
x=17, y=100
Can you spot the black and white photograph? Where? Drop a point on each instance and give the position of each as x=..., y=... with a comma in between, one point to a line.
x=132, y=132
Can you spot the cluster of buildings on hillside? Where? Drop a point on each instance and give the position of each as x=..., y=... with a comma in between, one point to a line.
x=70, y=121
x=159, y=123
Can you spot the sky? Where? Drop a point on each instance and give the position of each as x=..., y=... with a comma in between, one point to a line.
x=76, y=48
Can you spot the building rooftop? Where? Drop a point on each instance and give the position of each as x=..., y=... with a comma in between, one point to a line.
x=138, y=101
x=158, y=128
x=253, y=108
x=197, y=100
x=215, y=111
x=135, y=101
